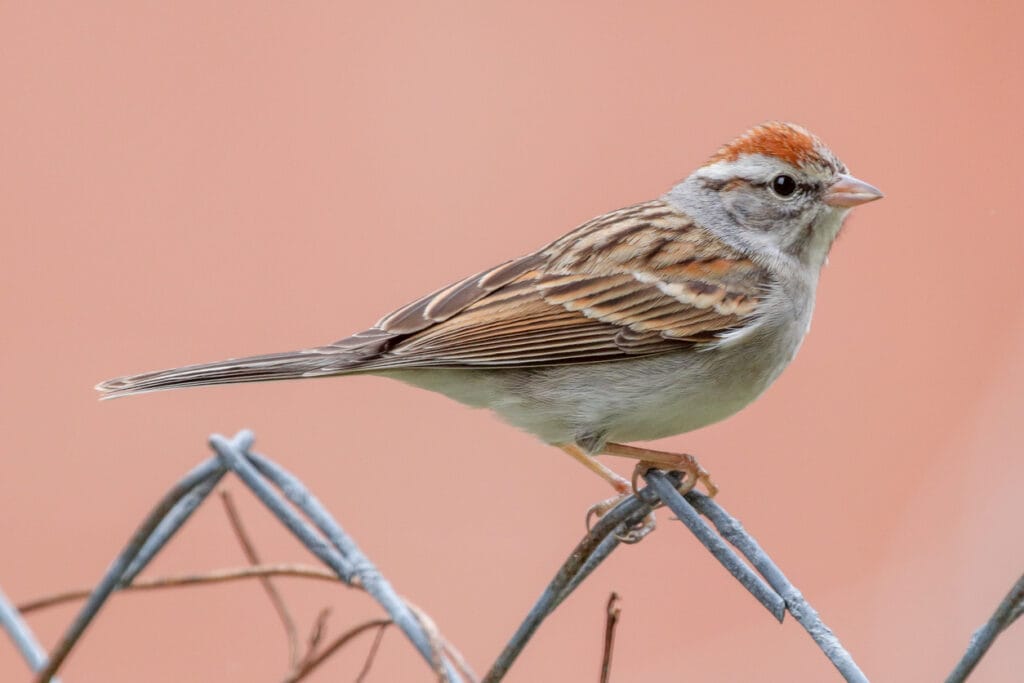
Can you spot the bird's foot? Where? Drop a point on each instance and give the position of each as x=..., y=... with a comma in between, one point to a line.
x=622, y=489
x=691, y=470
x=693, y=473
x=632, y=535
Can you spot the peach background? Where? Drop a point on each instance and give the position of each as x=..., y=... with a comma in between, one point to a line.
x=197, y=181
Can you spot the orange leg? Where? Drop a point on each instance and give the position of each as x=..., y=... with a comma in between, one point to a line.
x=650, y=459
x=590, y=462
x=622, y=489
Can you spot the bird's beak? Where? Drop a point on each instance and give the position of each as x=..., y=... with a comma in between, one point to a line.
x=848, y=191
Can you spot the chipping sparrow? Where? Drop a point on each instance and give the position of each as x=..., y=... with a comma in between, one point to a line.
x=652, y=320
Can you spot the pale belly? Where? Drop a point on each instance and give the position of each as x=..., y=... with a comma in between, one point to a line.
x=625, y=400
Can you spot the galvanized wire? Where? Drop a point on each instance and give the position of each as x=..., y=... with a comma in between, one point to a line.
x=21, y=635
x=324, y=538
x=771, y=588
x=733, y=531
x=132, y=554
x=328, y=542
x=283, y=493
x=1008, y=611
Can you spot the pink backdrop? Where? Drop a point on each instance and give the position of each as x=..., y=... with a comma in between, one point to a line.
x=203, y=181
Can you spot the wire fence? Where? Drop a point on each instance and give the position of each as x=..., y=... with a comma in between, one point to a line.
x=301, y=513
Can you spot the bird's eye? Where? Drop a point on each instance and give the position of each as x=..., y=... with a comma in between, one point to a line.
x=783, y=185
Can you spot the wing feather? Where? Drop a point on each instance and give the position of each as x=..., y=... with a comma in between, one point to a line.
x=638, y=281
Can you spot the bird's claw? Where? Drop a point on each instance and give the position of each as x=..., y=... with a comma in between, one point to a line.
x=687, y=465
x=635, y=533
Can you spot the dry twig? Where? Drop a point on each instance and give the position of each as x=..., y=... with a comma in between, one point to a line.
x=316, y=635
x=338, y=643
x=216, y=576
x=254, y=559
x=612, y=612
x=371, y=655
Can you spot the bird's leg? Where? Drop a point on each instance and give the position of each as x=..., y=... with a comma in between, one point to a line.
x=622, y=490
x=681, y=462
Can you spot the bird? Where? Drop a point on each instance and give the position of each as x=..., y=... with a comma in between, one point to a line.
x=648, y=321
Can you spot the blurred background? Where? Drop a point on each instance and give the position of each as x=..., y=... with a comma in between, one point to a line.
x=197, y=181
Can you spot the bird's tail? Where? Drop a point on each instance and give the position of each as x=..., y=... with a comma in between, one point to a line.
x=265, y=368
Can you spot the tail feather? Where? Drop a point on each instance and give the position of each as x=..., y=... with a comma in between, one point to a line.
x=265, y=368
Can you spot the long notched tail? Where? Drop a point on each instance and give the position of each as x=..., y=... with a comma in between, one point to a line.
x=273, y=366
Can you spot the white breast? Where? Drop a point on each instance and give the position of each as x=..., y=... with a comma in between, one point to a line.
x=624, y=400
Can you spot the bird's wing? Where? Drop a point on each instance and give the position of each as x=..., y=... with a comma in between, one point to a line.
x=637, y=281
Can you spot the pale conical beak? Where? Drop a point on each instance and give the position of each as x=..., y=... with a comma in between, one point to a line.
x=848, y=191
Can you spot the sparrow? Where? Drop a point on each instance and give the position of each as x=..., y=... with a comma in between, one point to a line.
x=649, y=321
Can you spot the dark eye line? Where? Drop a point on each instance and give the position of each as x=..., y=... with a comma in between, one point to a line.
x=801, y=187
x=767, y=184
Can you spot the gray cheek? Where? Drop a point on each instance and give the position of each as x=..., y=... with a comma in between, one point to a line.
x=751, y=211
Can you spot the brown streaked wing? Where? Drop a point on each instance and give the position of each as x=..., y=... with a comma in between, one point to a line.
x=444, y=303
x=429, y=310
x=639, y=281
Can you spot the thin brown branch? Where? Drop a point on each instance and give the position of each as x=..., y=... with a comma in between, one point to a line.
x=456, y=658
x=249, y=548
x=441, y=646
x=217, y=576
x=315, y=636
x=336, y=644
x=437, y=641
x=372, y=654
x=612, y=612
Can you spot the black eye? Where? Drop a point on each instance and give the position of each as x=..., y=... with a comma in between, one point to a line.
x=783, y=185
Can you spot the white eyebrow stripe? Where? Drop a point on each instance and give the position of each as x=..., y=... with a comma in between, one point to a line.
x=757, y=167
